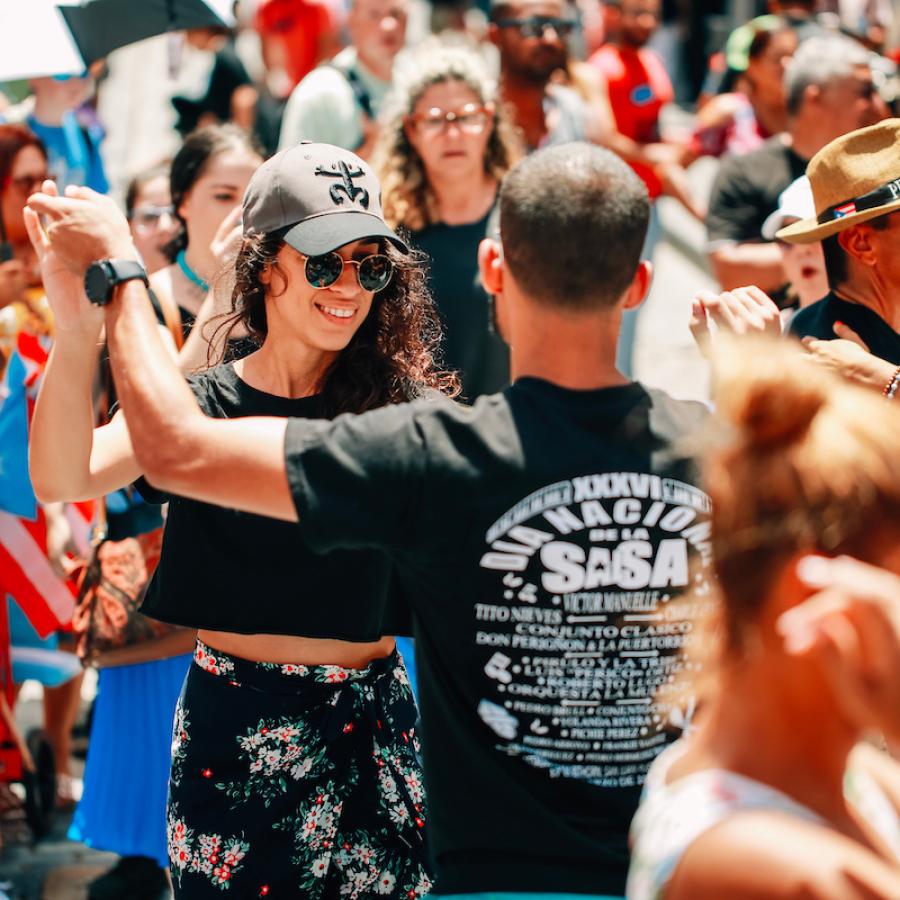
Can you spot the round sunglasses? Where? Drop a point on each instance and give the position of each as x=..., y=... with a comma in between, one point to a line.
x=373, y=273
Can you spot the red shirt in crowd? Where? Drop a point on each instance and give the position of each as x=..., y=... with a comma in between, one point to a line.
x=639, y=87
x=302, y=26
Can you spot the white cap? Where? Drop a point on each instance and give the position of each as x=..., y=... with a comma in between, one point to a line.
x=795, y=202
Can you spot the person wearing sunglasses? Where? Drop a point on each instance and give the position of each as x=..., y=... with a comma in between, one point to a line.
x=295, y=753
x=23, y=168
x=445, y=147
x=148, y=205
x=24, y=311
x=531, y=38
x=503, y=519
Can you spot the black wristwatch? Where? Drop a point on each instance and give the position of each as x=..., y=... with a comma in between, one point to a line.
x=102, y=276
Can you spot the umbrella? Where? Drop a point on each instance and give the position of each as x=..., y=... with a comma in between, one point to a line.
x=35, y=40
x=39, y=37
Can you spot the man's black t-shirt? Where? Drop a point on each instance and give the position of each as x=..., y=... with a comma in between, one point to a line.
x=818, y=321
x=227, y=570
x=746, y=191
x=543, y=537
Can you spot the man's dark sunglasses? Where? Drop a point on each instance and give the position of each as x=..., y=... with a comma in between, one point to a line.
x=537, y=26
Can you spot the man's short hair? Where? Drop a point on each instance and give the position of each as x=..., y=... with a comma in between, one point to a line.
x=573, y=219
x=836, y=267
x=818, y=61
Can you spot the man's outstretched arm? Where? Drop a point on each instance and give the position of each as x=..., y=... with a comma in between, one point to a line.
x=237, y=463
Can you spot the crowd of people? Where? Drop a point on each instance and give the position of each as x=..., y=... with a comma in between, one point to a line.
x=398, y=582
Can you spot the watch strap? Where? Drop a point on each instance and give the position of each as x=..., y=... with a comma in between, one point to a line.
x=125, y=270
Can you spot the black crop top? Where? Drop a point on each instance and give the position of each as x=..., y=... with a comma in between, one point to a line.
x=226, y=570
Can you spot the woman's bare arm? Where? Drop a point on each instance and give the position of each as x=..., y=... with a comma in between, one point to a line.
x=237, y=463
x=69, y=459
x=764, y=855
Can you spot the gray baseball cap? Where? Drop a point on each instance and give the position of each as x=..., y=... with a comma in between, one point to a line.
x=326, y=195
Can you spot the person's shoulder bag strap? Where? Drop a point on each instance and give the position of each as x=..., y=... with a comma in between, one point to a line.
x=171, y=317
x=360, y=94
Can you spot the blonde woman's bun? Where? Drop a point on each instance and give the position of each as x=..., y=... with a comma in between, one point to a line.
x=806, y=463
x=769, y=392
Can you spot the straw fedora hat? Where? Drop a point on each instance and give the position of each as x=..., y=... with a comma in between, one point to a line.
x=854, y=178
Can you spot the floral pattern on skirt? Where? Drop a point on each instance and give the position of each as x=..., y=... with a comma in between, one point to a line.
x=292, y=780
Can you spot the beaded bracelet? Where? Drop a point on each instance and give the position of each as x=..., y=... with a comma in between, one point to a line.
x=891, y=387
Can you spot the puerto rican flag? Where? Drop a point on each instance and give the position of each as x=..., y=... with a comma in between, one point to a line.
x=845, y=210
x=25, y=571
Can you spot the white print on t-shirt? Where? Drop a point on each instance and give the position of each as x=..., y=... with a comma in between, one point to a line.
x=582, y=646
x=498, y=668
x=499, y=719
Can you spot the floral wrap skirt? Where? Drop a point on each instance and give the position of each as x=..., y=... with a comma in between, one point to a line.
x=296, y=781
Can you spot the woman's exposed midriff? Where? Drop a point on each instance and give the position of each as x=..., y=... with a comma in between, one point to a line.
x=280, y=648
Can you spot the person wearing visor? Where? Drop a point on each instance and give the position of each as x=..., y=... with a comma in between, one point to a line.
x=295, y=768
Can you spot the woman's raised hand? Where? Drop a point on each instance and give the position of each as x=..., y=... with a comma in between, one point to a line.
x=84, y=226
x=745, y=310
x=227, y=240
x=224, y=248
x=64, y=288
x=851, y=358
x=852, y=627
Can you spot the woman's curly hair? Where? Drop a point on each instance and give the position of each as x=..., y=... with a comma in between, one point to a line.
x=392, y=356
x=407, y=197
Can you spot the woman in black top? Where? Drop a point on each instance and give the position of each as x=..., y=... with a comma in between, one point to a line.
x=443, y=149
x=295, y=760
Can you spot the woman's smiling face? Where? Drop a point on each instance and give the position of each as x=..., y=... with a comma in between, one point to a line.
x=322, y=318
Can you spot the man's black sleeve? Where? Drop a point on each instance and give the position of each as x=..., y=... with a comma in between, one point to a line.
x=734, y=207
x=357, y=481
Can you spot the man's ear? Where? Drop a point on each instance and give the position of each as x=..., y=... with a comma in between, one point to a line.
x=490, y=266
x=640, y=285
x=812, y=93
x=856, y=242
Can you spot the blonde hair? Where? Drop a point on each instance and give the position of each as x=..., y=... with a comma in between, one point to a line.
x=407, y=197
x=809, y=464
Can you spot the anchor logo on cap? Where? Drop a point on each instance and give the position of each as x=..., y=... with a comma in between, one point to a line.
x=346, y=186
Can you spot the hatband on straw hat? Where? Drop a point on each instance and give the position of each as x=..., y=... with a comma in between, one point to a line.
x=854, y=178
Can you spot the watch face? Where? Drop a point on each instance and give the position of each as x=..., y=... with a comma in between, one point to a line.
x=96, y=283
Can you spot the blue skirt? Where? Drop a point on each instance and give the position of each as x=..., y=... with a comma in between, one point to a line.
x=123, y=808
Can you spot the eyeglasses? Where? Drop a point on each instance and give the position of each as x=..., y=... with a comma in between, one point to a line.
x=373, y=273
x=537, y=26
x=27, y=184
x=148, y=217
x=471, y=119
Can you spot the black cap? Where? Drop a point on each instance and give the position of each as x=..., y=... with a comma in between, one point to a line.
x=328, y=197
